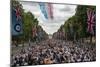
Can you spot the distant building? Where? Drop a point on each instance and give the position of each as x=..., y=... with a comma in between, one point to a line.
x=50, y=36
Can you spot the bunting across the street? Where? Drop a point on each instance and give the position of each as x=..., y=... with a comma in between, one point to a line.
x=43, y=9
x=50, y=10
x=47, y=10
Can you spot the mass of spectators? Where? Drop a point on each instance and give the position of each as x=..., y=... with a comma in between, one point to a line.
x=54, y=51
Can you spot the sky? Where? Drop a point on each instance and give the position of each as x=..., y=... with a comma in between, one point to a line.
x=61, y=13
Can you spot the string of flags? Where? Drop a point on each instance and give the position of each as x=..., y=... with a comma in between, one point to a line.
x=90, y=20
x=43, y=9
x=50, y=10
x=47, y=10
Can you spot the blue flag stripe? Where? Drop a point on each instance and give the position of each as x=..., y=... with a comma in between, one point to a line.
x=43, y=10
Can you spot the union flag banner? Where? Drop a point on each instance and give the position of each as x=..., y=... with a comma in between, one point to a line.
x=90, y=20
x=16, y=27
x=34, y=31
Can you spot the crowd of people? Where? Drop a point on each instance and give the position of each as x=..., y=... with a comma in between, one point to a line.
x=53, y=51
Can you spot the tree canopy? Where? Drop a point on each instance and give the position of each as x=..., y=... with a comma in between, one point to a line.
x=29, y=21
x=76, y=26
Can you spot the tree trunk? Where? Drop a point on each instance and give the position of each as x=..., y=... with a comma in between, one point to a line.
x=75, y=38
x=29, y=42
x=91, y=39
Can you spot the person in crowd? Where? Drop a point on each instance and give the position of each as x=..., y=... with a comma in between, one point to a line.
x=53, y=52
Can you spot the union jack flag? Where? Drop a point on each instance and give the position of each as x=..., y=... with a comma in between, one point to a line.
x=16, y=21
x=18, y=13
x=90, y=20
x=34, y=31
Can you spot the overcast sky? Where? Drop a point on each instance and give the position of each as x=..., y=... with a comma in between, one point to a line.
x=61, y=12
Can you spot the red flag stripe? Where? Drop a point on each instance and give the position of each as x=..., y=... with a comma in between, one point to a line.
x=91, y=17
x=50, y=11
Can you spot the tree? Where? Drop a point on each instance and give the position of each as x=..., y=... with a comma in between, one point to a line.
x=76, y=26
x=28, y=21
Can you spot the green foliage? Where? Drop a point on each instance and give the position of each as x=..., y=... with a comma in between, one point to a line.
x=29, y=22
x=78, y=23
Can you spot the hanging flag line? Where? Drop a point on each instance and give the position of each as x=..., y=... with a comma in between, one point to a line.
x=90, y=20
x=43, y=9
x=47, y=10
x=50, y=11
